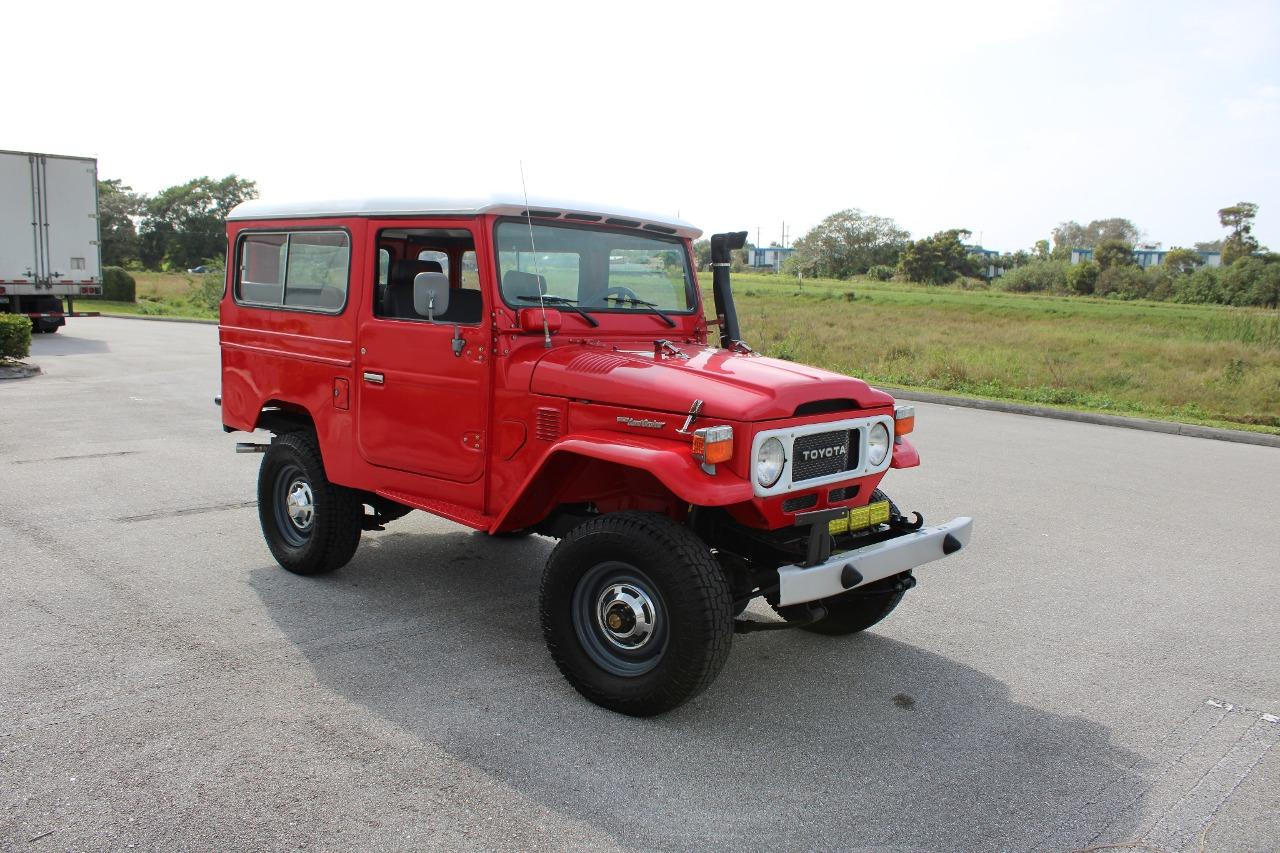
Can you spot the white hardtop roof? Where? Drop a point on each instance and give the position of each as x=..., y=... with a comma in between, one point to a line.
x=506, y=205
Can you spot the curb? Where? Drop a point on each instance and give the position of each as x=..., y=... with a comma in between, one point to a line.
x=19, y=371
x=159, y=319
x=1238, y=436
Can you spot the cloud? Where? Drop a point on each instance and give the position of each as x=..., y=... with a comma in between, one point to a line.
x=1263, y=103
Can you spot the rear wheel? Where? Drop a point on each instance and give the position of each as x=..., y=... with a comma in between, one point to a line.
x=636, y=612
x=311, y=525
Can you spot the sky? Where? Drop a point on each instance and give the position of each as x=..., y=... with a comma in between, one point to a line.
x=1002, y=117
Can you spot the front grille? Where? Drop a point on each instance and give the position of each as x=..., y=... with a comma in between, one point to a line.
x=843, y=493
x=802, y=502
x=823, y=454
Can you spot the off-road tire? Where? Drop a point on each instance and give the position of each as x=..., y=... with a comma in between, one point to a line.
x=691, y=598
x=333, y=532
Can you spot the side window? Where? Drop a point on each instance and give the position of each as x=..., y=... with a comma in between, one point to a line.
x=439, y=257
x=384, y=265
x=470, y=272
x=261, y=278
x=299, y=269
x=316, y=270
x=447, y=301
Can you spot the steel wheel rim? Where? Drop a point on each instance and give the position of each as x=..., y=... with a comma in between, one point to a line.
x=294, y=505
x=620, y=619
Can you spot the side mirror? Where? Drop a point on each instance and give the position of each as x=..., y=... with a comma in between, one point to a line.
x=430, y=294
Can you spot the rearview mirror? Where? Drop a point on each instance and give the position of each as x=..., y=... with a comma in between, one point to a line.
x=430, y=294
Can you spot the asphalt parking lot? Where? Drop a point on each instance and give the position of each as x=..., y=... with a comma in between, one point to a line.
x=1100, y=666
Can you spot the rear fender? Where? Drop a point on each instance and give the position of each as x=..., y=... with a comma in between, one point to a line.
x=589, y=466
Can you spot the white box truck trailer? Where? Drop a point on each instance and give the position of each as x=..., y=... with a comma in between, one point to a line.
x=48, y=235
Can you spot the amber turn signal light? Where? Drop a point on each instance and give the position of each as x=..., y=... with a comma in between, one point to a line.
x=904, y=420
x=713, y=444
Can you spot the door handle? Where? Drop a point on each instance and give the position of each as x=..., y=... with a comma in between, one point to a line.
x=375, y=378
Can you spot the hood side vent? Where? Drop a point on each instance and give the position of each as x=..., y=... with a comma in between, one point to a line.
x=825, y=407
x=547, y=424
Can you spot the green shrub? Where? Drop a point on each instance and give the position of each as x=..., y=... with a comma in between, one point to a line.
x=15, y=336
x=118, y=285
x=1036, y=277
x=1123, y=281
x=209, y=291
x=1251, y=281
x=1203, y=285
x=1082, y=278
x=880, y=272
x=1160, y=282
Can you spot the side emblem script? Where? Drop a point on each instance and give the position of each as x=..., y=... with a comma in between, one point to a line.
x=641, y=422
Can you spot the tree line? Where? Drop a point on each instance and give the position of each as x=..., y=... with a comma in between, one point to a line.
x=180, y=227
x=853, y=243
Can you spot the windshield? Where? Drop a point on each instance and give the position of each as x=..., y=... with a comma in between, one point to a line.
x=595, y=270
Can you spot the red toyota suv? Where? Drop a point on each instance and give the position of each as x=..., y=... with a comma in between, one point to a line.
x=552, y=369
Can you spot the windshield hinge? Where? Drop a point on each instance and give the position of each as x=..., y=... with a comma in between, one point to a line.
x=662, y=347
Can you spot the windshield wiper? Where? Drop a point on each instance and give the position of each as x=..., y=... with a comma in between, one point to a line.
x=631, y=300
x=562, y=302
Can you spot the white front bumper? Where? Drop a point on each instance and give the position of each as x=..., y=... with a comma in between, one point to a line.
x=798, y=584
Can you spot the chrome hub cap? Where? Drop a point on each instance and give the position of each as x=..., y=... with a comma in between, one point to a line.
x=300, y=504
x=625, y=615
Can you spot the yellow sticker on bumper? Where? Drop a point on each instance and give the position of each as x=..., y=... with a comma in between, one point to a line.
x=859, y=518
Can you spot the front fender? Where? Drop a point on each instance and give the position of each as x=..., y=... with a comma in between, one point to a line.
x=669, y=462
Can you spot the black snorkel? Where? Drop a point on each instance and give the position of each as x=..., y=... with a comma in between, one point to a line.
x=721, y=246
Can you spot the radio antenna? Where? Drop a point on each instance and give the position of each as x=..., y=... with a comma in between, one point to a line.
x=528, y=216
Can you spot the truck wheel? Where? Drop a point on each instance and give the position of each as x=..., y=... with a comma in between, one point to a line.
x=636, y=612
x=311, y=525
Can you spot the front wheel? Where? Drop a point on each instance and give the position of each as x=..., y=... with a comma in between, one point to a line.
x=311, y=525
x=636, y=612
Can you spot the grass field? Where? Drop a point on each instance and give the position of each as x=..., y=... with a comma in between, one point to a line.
x=1193, y=363
x=162, y=294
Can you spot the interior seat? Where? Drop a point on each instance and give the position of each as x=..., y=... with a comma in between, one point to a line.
x=398, y=300
x=517, y=284
x=465, y=306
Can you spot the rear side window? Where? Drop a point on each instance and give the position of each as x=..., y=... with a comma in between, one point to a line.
x=306, y=270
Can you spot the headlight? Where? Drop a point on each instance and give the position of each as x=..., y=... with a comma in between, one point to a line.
x=769, y=462
x=877, y=444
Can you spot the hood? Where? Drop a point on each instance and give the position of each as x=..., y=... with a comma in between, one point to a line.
x=731, y=385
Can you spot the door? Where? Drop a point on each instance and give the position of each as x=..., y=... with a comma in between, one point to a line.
x=423, y=380
x=70, y=194
x=18, y=248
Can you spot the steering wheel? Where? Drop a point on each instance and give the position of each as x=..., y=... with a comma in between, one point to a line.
x=625, y=292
